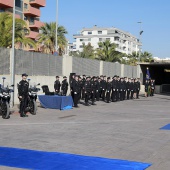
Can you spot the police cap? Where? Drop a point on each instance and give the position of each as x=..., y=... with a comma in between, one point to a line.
x=24, y=74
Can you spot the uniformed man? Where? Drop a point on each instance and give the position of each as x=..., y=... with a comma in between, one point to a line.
x=71, y=86
x=152, y=87
x=138, y=88
x=57, y=85
x=83, y=82
x=93, y=90
x=103, y=88
x=76, y=91
x=132, y=88
x=121, y=89
x=114, y=90
x=81, y=85
x=124, y=87
x=128, y=88
x=108, y=89
x=98, y=80
x=23, y=87
x=118, y=88
x=87, y=91
x=64, y=86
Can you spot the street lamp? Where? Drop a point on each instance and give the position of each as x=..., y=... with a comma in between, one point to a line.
x=13, y=55
x=56, y=44
x=140, y=39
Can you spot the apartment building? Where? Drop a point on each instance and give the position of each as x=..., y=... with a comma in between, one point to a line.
x=28, y=10
x=125, y=42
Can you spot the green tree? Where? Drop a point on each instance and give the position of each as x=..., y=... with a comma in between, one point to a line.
x=47, y=38
x=87, y=52
x=6, y=25
x=146, y=57
x=107, y=52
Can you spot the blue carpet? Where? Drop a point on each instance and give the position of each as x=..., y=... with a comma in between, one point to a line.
x=167, y=127
x=39, y=160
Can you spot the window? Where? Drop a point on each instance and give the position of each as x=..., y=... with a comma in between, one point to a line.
x=18, y=3
x=25, y=18
x=81, y=39
x=100, y=39
x=2, y=10
x=25, y=6
x=89, y=32
x=108, y=39
x=81, y=46
x=99, y=32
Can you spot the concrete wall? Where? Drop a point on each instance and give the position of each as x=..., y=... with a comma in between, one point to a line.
x=42, y=68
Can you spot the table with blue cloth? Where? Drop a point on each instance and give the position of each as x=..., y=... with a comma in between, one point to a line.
x=56, y=102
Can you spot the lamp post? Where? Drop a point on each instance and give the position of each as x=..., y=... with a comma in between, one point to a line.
x=56, y=44
x=13, y=56
x=140, y=39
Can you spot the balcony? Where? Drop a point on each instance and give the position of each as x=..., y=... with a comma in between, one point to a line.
x=38, y=3
x=31, y=11
x=6, y=3
x=36, y=24
x=32, y=35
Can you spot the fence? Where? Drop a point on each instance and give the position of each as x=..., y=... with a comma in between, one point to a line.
x=38, y=64
x=4, y=61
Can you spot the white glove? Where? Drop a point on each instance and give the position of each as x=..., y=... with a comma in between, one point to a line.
x=75, y=92
x=113, y=89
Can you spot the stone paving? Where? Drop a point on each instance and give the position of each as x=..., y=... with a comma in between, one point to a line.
x=126, y=130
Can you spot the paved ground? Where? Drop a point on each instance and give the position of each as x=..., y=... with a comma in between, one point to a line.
x=125, y=130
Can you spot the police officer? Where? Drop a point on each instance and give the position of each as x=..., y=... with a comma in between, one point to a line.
x=23, y=87
x=87, y=91
x=121, y=89
x=98, y=80
x=93, y=89
x=103, y=87
x=76, y=91
x=128, y=88
x=138, y=88
x=57, y=85
x=64, y=86
x=114, y=90
x=118, y=88
x=108, y=89
x=132, y=88
x=83, y=82
x=71, y=86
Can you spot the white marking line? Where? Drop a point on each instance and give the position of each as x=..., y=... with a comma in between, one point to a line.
x=109, y=122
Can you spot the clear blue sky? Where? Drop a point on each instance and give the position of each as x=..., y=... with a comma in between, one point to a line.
x=123, y=14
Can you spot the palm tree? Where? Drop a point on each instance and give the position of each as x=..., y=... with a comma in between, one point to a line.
x=107, y=52
x=146, y=57
x=6, y=22
x=47, y=38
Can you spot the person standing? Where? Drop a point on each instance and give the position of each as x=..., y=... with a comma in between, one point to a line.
x=152, y=87
x=121, y=89
x=138, y=88
x=98, y=89
x=146, y=88
x=103, y=82
x=23, y=87
x=93, y=90
x=87, y=91
x=108, y=89
x=76, y=91
x=114, y=90
x=128, y=84
x=64, y=86
x=57, y=85
x=83, y=82
x=131, y=88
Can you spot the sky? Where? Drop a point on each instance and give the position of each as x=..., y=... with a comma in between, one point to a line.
x=122, y=14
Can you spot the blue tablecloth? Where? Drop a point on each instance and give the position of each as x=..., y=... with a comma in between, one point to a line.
x=56, y=102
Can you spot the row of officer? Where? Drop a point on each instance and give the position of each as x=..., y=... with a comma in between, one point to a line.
x=103, y=87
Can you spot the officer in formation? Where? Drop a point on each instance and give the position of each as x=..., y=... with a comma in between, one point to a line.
x=103, y=88
x=61, y=87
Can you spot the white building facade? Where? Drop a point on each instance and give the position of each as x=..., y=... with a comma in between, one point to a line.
x=125, y=42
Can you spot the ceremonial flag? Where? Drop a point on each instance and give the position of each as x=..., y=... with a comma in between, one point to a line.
x=148, y=74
